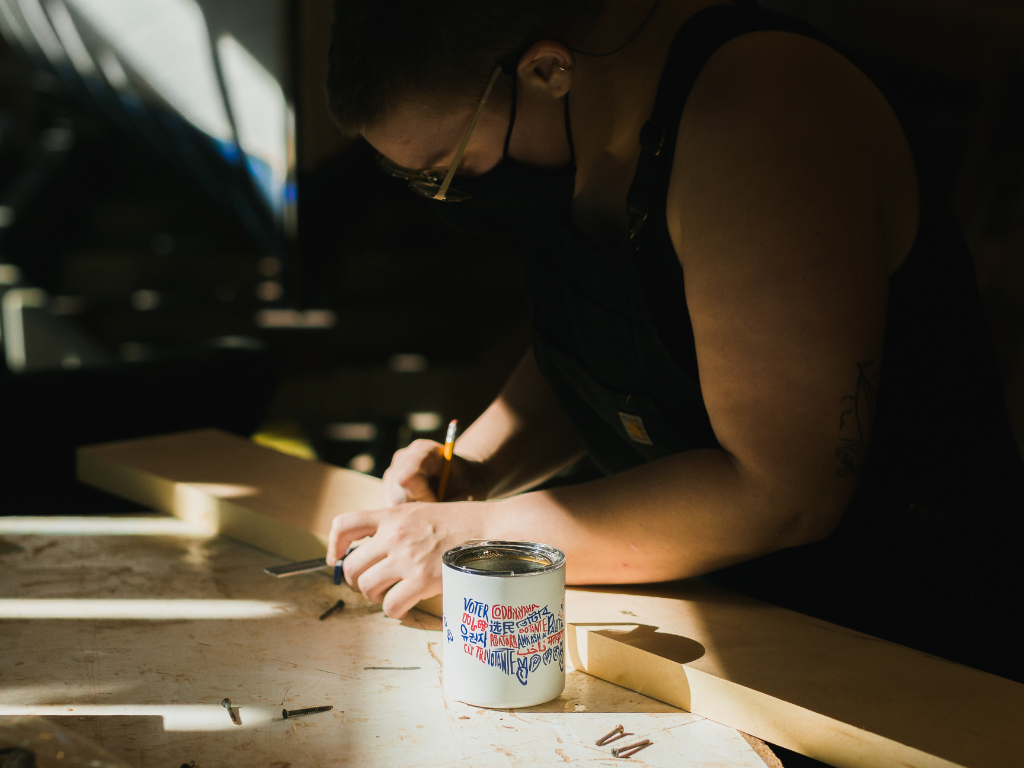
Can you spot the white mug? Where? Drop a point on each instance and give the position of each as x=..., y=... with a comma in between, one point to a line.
x=504, y=623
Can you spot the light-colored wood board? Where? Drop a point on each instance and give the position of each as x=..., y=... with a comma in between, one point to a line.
x=149, y=691
x=231, y=485
x=843, y=697
x=819, y=689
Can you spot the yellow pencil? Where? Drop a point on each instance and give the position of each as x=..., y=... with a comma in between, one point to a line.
x=446, y=468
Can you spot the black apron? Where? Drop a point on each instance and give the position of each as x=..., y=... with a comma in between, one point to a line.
x=926, y=554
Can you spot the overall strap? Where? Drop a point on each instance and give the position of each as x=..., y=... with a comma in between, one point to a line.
x=696, y=42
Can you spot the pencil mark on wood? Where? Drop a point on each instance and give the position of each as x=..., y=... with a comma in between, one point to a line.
x=390, y=667
x=315, y=669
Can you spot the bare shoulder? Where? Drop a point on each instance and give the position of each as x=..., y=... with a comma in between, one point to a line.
x=781, y=125
x=793, y=196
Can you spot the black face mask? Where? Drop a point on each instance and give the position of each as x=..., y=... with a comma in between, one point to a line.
x=512, y=196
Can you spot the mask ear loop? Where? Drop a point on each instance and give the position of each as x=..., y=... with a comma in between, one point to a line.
x=512, y=117
x=568, y=120
x=465, y=139
x=568, y=131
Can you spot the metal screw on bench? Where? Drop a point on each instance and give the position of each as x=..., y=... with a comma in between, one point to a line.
x=608, y=736
x=307, y=711
x=631, y=749
x=336, y=607
x=234, y=717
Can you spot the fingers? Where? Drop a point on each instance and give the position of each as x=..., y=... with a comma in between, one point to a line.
x=362, y=558
x=379, y=578
x=404, y=595
x=383, y=582
x=394, y=493
x=401, y=563
x=349, y=527
x=408, y=477
x=460, y=484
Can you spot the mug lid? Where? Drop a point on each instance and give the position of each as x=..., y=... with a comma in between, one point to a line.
x=504, y=558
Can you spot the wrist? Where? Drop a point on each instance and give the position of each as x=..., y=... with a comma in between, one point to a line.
x=478, y=475
x=483, y=479
x=487, y=518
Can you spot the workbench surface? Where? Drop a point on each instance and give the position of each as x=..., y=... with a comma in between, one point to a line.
x=131, y=630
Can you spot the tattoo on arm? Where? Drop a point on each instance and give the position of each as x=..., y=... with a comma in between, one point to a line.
x=855, y=422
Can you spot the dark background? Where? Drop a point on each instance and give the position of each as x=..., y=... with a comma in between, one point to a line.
x=149, y=275
x=151, y=284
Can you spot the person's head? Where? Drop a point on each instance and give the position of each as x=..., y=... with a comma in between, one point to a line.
x=409, y=74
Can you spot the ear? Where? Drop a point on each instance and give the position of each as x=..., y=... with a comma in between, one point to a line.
x=546, y=67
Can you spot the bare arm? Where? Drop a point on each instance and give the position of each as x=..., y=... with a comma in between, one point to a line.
x=523, y=438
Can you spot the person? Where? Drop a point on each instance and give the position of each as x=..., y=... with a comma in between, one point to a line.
x=749, y=304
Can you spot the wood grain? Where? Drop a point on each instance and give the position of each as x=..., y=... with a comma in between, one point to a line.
x=150, y=690
x=837, y=695
x=232, y=486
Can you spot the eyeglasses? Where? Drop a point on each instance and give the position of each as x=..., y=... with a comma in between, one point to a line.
x=429, y=183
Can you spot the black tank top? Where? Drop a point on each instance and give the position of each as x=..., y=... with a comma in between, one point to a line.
x=926, y=553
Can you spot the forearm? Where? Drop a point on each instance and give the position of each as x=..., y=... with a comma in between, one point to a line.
x=677, y=517
x=523, y=438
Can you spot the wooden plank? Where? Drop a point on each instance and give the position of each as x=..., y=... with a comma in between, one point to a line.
x=840, y=696
x=837, y=695
x=232, y=486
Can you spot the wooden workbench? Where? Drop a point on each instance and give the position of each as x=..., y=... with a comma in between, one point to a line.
x=130, y=631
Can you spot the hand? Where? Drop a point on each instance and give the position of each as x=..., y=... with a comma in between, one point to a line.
x=415, y=470
x=401, y=564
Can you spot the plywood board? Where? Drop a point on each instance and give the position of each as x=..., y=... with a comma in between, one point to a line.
x=232, y=486
x=841, y=696
x=148, y=690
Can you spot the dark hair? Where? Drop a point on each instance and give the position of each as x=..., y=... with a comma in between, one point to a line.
x=385, y=51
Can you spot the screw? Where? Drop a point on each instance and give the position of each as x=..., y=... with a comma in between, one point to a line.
x=608, y=736
x=226, y=703
x=307, y=711
x=336, y=607
x=189, y=764
x=631, y=749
